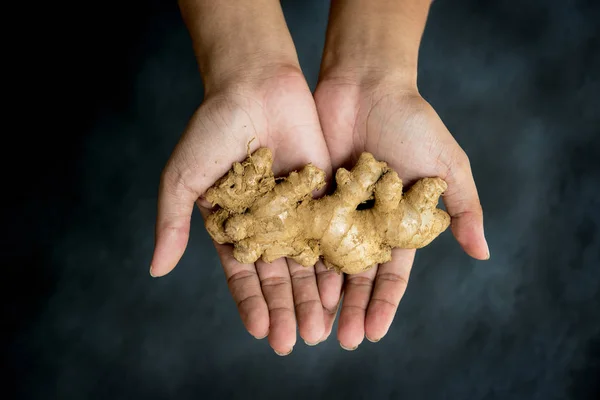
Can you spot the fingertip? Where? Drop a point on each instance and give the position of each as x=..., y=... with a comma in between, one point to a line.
x=476, y=253
x=259, y=329
x=373, y=340
x=350, y=332
x=255, y=316
x=463, y=205
x=159, y=269
x=328, y=320
x=312, y=327
x=377, y=323
x=171, y=242
x=172, y=231
x=282, y=340
x=261, y=337
x=347, y=348
x=487, y=251
x=287, y=353
x=313, y=337
x=258, y=325
x=469, y=233
x=170, y=246
x=159, y=272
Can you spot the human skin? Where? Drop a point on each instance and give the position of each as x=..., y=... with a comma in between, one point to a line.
x=254, y=93
x=367, y=99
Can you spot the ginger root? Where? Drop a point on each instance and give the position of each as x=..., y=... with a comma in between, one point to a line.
x=269, y=219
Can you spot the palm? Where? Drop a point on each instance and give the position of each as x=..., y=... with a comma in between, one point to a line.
x=402, y=129
x=280, y=115
x=286, y=122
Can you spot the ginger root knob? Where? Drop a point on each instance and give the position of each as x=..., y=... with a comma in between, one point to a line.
x=267, y=219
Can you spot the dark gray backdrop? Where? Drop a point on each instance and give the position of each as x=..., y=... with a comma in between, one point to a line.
x=516, y=82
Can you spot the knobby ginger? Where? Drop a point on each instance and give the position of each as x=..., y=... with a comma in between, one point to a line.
x=266, y=218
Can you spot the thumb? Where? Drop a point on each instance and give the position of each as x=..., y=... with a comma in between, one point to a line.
x=462, y=203
x=175, y=205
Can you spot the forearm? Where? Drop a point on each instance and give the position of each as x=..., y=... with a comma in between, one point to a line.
x=237, y=40
x=370, y=40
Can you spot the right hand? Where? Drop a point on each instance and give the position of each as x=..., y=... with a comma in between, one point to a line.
x=277, y=110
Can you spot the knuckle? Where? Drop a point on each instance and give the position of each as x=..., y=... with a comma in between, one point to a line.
x=361, y=308
x=394, y=278
x=281, y=309
x=458, y=169
x=173, y=230
x=360, y=281
x=477, y=210
x=307, y=303
x=245, y=302
x=240, y=277
x=275, y=281
x=302, y=275
x=175, y=179
x=462, y=160
x=383, y=302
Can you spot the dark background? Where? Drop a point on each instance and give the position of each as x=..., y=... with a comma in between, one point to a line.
x=518, y=83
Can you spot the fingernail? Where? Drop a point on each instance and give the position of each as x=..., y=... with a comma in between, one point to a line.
x=372, y=340
x=487, y=249
x=283, y=354
x=151, y=272
x=260, y=338
x=348, y=348
x=312, y=344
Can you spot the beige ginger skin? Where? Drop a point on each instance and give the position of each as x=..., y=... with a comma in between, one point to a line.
x=271, y=218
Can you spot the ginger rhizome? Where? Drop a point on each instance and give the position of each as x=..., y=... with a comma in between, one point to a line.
x=270, y=218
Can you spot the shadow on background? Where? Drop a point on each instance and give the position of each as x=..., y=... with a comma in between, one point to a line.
x=517, y=85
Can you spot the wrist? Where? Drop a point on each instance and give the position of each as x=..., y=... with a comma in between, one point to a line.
x=369, y=75
x=248, y=75
x=238, y=41
x=371, y=42
x=257, y=83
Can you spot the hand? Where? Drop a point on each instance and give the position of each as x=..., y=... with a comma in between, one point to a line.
x=277, y=111
x=395, y=124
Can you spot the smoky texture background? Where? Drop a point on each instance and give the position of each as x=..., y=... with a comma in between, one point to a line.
x=518, y=83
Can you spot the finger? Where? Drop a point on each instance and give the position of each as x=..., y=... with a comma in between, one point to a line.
x=309, y=311
x=390, y=285
x=357, y=292
x=462, y=203
x=329, y=319
x=197, y=162
x=175, y=205
x=277, y=289
x=244, y=285
x=330, y=284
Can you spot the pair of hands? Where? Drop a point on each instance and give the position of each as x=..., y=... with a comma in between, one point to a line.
x=330, y=130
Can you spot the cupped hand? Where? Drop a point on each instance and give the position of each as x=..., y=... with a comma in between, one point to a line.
x=396, y=125
x=277, y=111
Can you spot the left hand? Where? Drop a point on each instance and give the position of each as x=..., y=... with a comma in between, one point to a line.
x=394, y=123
